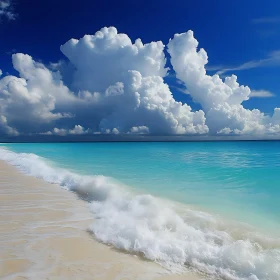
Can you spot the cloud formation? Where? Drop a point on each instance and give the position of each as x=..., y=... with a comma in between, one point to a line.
x=77, y=130
x=115, y=86
x=261, y=93
x=6, y=10
x=220, y=99
x=273, y=59
x=109, y=84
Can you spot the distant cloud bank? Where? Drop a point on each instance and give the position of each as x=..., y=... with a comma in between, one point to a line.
x=110, y=85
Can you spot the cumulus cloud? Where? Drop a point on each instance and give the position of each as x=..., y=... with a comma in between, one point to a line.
x=126, y=80
x=109, y=84
x=116, y=86
x=139, y=130
x=5, y=128
x=77, y=130
x=29, y=102
x=110, y=55
x=6, y=10
x=221, y=99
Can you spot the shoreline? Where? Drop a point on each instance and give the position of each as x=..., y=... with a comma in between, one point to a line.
x=44, y=235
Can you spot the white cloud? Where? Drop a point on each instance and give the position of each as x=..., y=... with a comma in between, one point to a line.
x=221, y=99
x=139, y=130
x=77, y=130
x=261, y=93
x=273, y=59
x=131, y=76
x=6, y=10
x=112, y=85
x=109, y=55
x=117, y=87
x=5, y=128
x=30, y=102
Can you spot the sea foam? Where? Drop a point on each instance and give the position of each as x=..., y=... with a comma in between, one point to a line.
x=176, y=237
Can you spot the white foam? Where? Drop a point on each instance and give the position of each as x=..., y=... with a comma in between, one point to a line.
x=155, y=229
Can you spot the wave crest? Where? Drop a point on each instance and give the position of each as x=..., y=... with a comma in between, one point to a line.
x=160, y=231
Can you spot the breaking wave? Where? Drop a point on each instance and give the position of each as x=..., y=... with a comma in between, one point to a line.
x=163, y=231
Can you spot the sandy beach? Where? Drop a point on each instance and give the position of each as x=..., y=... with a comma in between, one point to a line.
x=44, y=235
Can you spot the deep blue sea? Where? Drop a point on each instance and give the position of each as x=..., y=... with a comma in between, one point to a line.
x=212, y=206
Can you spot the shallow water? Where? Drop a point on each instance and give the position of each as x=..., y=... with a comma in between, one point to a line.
x=231, y=180
x=239, y=179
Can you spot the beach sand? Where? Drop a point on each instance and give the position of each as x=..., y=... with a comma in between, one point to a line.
x=44, y=236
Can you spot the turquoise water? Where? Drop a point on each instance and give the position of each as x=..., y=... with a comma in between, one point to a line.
x=209, y=207
x=238, y=180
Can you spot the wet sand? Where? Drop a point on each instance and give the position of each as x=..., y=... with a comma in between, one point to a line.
x=44, y=236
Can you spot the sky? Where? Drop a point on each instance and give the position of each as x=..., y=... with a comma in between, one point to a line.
x=93, y=89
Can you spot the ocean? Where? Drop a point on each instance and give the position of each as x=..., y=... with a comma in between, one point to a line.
x=211, y=207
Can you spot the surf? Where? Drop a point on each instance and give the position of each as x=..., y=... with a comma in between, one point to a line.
x=171, y=234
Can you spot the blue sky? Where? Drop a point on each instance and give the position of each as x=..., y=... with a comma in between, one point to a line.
x=235, y=34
